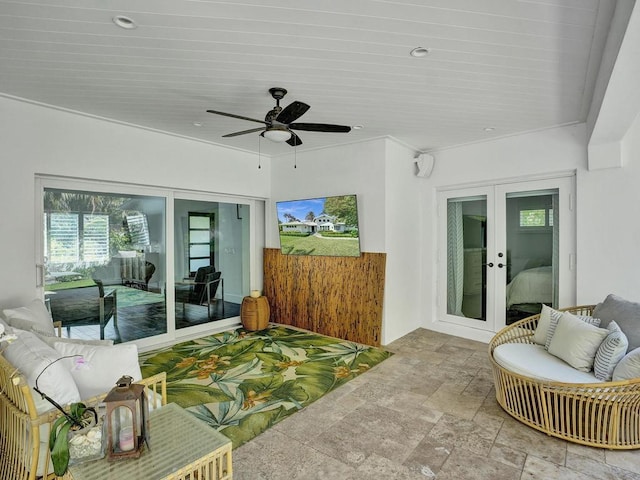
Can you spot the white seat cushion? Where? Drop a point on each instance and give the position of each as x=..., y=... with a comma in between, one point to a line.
x=535, y=362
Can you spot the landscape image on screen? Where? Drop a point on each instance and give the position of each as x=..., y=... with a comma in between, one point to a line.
x=319, y=226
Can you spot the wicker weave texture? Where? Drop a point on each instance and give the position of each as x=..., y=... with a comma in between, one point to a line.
x=605, y=415
x=182, y=448
x=254, y=313
x=20, y=425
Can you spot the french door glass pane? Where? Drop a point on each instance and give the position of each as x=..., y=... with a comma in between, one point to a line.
x=104, y=264
x=211, y=261
x=466, y=257
x=532, y=252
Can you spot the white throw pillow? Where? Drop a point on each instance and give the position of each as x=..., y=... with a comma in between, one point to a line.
x=52, y=339
x=33, y=317
x=576, y=342
x=35, y=359
x=101, y=367
x=554, y=323
x=546, y=314
x=610, y=352
x=628, y=367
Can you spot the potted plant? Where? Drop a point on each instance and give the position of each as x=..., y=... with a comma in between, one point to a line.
x=75, y=436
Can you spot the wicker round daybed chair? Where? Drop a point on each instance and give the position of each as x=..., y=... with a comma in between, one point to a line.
x=605, y=415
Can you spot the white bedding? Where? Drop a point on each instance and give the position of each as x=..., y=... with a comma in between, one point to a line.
x=530, y=286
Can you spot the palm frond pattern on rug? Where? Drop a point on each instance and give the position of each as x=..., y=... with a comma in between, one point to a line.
x=242, y=383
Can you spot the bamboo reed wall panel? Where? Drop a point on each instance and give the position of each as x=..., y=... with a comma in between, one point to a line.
x=336, y=296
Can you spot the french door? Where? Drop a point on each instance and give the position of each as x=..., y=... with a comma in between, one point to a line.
x=504, y=250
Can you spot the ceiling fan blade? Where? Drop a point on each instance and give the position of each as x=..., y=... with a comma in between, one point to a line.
x=243, y=132
x=237, y=116
x=292, y=112
x=294, y=141
x=320, y=127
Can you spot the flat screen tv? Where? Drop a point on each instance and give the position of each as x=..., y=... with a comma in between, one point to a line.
x=319, y=226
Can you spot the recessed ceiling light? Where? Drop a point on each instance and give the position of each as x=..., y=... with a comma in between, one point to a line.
x=489, y=129
x=419, y=52
x=197, y=124
x=358, y=127
x=124, y=22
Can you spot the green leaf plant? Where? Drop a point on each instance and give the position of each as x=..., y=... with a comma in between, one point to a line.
x=79, y=416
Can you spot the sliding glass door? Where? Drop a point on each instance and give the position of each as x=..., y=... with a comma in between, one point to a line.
x=144, y=264
x=104, y=263
x=211, y=261
x=505, y=250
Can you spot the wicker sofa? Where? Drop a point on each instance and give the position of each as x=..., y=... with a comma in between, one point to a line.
x=23, y=451
x=599, y=414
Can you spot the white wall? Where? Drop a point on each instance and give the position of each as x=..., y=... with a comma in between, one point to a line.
x=381, y=173
x=403, y=215
x=355, y=168
x=609, y=227
x=37, y=140
x=46, y=141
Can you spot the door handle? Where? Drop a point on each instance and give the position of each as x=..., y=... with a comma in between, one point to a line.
x=490, y=264
x=500, y=265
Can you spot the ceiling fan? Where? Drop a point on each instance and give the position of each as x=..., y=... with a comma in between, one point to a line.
x=279, y=122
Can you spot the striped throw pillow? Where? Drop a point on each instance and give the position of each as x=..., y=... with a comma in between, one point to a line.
x=611, y=351
x=555, y=316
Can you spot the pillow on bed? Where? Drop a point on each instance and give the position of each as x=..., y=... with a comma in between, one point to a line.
x=540, y=335
x=576, y=342
x=610, y=352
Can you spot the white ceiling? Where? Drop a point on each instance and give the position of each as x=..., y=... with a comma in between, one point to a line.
x=510, y=65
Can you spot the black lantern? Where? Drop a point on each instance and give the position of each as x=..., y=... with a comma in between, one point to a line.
x=127, y=419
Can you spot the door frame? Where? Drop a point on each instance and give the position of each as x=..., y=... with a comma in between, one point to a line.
x=252, y=251
x=496, y=242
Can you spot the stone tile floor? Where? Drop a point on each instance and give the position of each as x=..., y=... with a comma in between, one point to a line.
x=427, y=412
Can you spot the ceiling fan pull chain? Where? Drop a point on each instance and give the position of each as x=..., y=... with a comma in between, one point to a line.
x=295, y=155
x=259, y=165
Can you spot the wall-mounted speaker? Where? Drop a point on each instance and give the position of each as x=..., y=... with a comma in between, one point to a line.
x=424, y=165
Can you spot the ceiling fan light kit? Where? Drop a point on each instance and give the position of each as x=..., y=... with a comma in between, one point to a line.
x=277, y=134
x=278, y=122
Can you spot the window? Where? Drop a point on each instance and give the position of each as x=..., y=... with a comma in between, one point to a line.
x=536, y=218
x=72, y=237
x=201, y=226
x=62, y=237
x=95, y=238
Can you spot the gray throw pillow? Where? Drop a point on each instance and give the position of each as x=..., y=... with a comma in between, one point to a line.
x=629, y=367
x=625, y=313
x=610, y=352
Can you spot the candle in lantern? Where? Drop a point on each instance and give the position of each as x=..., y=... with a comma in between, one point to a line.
x=126, y=439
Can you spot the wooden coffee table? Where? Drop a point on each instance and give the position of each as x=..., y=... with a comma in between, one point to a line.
x=182, y=448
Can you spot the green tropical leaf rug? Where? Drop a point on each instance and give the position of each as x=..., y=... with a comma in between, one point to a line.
x=242, y=382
